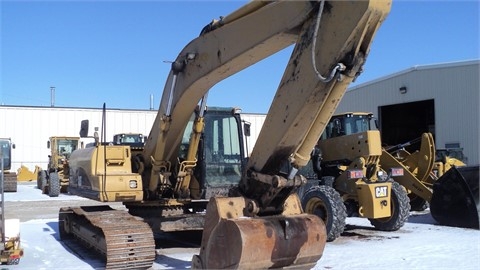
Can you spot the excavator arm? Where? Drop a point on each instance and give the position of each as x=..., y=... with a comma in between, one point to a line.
x=332, y=40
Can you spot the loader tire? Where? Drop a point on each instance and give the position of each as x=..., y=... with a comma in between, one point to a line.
x=326, y=203
x=42, y=178
x=400, y=204
x=54, y=185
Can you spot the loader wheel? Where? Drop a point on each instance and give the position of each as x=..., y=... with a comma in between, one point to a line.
x=54, y=186
x=42, y=178
x=400, y=211
x=326, y=203
x=417, y=203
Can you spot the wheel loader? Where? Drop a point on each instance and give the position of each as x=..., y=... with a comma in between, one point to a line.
x=346, y=178
x=55, y=179
x=200, y=181
x=422, y=174
x=10, y=178
x=440, y=181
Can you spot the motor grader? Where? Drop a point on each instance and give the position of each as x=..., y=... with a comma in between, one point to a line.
x=55, y=178
x=181, y=179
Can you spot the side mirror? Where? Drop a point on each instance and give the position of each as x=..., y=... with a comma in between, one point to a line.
x=246, y=129
x=48, y=144
x=84, y=129
x=13, y=146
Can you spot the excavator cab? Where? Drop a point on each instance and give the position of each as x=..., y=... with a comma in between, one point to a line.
x=220, y=155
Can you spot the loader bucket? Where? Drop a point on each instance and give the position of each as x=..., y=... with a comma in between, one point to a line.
x=239, y=242
x=455, y=199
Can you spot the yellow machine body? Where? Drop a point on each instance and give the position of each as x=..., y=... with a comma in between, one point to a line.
x=374, y=199
x=106, y=172
x=362, y=151
x=54, y=179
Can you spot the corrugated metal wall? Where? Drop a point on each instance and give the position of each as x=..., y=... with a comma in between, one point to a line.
x=256, y=123
x=454, y=88
x=30, y=128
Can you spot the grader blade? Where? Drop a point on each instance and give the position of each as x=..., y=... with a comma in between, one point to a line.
x=455, y=199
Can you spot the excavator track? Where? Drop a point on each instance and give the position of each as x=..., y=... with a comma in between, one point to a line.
x=125, y=241
x=10, y=182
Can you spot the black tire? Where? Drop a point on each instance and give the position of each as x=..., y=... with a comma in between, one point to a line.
x=400, y=210
x=39, y=182
x=417, y=203
x=42, y=175
x=326, y=203
x=54, y=185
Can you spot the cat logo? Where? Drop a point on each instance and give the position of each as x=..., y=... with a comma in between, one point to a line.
x=381, y=192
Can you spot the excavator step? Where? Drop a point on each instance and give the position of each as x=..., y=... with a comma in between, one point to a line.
x=125, y=241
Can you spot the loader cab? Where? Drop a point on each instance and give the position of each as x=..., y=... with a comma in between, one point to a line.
x=347, y=124
x=61, y=149
x=220, y=152
x=63, y=146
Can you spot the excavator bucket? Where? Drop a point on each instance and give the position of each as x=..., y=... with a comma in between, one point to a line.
x=231, y=240
x=455, y=199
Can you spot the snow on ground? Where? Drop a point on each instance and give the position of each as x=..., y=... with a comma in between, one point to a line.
x=420, y=244
x=28, y=191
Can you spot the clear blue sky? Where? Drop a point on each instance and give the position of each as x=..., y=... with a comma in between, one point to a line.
x=114, y=51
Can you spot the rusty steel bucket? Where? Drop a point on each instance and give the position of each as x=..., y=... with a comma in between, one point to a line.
x=231, y=240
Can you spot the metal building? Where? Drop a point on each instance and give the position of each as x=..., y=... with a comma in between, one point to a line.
x=442, y=99
x=30, y=128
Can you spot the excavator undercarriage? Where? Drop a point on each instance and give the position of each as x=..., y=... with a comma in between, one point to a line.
x=125, y=241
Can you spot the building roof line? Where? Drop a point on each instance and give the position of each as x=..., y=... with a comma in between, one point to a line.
x=416, y=68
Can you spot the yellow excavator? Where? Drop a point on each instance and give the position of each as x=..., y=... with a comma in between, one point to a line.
x=249, y=211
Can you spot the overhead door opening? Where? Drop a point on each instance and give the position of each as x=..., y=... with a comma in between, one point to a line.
x=401, y=123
